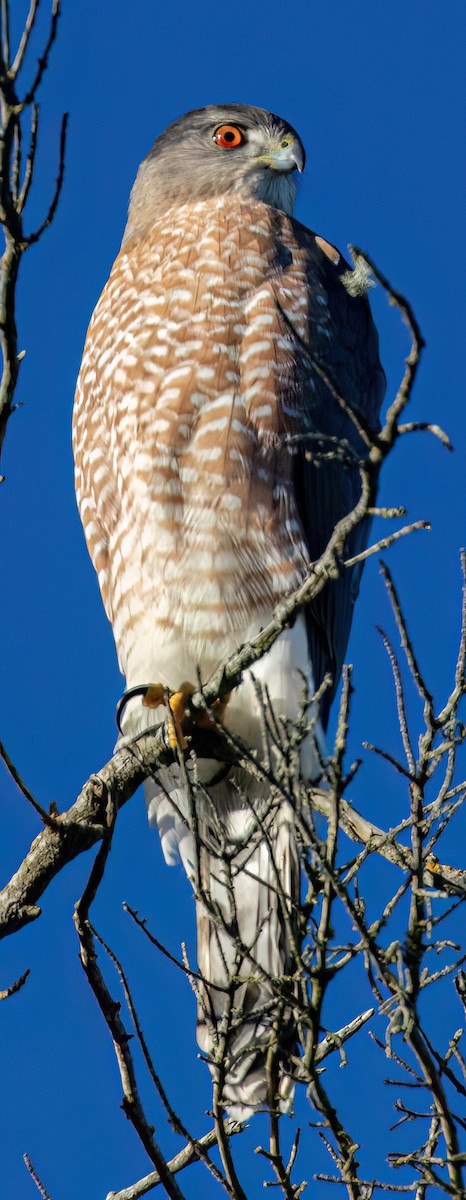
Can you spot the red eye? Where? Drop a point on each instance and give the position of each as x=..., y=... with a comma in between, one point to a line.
x=228, y=136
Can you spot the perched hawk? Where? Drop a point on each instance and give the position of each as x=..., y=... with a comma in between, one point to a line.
x=205, y=432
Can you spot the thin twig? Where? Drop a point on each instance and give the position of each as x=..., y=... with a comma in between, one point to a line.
x=31, y=238
x=24, y=39
x=141, y=923
x=38, y=1182
x=131, y=1103
x=385, y=542
x=14, y=987
x=46, y=817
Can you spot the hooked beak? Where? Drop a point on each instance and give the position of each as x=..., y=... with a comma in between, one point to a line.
x=285, y=155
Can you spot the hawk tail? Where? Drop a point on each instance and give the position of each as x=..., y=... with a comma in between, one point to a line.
x=246, y=919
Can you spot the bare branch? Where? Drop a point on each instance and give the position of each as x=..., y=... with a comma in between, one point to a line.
x=333, y=1041
x=424, y=426
x=400, y=703
x=173, y=1118
x=38, y=1182
x=31, y=238
x=176, y=961
x=13, y=193
x=181, y=1160
x=387, y=541
x=84, y=823
x=131, y=1104
x=43, y=61
x=5, y=35
x=47, y=818
x=390, y=430
x=24, y=40
x=407, y=643
x=14, y=987
x=77, y=830
x=23, y=193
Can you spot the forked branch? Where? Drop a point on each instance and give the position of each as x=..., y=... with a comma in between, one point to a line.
x=15, y=184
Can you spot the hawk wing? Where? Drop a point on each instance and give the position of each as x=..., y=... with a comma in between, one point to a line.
x=338, y=373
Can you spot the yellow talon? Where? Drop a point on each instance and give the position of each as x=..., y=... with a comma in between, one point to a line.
x=156, y=695
x=177, y=704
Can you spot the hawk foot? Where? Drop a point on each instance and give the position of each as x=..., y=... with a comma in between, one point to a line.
x=157, y=694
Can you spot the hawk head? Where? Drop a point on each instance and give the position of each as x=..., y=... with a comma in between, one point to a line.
x=214, y=150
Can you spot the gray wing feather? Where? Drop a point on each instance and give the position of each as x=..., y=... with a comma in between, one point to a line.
x=344, y=349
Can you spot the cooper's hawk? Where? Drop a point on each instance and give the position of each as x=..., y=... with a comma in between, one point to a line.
x=205, y=409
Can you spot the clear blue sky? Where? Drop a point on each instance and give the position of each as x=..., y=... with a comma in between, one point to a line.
x=375, y=92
